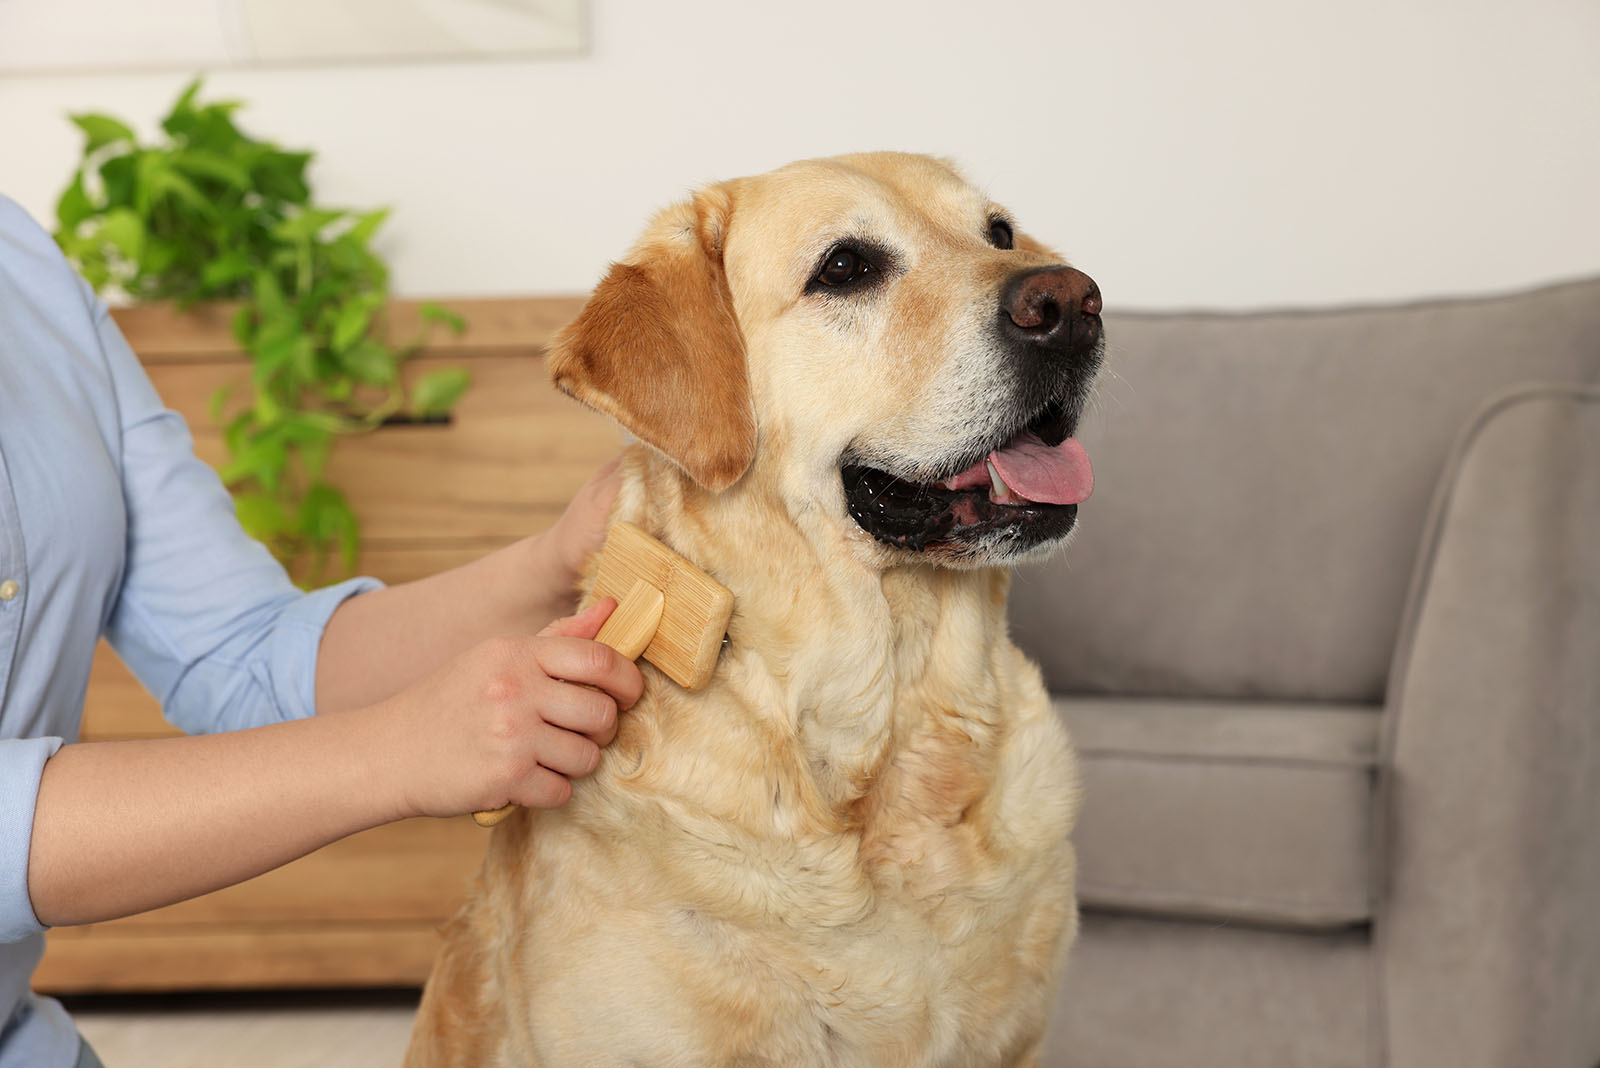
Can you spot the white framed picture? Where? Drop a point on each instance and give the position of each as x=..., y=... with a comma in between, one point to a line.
x=42, y=36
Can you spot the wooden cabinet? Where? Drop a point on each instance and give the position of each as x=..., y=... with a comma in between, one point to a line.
x=364, y=911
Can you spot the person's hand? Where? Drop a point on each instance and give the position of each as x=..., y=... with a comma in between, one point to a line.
x=581, y=530
x=507, y=721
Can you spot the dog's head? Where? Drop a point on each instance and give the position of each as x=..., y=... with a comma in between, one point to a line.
x=875, y=335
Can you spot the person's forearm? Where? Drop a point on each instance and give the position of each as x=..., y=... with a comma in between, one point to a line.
x=122, y=827
x=380, y=642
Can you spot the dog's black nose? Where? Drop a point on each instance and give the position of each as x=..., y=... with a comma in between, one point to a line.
x=1053, y=308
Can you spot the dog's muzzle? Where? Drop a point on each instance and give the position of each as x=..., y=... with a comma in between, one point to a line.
x=1018, y=490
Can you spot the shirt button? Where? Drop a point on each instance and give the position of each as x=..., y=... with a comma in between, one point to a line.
x=9, y=589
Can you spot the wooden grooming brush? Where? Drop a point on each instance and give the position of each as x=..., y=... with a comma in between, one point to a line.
x=667, y=610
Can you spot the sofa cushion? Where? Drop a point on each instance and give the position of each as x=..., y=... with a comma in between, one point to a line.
x=1259, y=813
x=1262, y=482
x=1144, y=992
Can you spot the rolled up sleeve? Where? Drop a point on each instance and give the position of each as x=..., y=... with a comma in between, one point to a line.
x=205, y=617
x=21, y=765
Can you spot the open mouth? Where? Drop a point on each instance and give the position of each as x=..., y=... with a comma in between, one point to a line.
x=1014, y=497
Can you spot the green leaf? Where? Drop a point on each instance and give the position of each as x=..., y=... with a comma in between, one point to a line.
x=303, y=359
x=351, y=325
x=437, y=391
x=263, y=459
x=101, y=130
x=88, y=256
x=370, y=361
x=147, y=170
x=326, y=517
x=306, y=225
x=231, y=267
x=74, y=205
x=212, y=128
x=268, y=410
x=244, y=325
x=118, y=178
x=314, y=457
x=312, y=425
x=352, y=263
x=367, y=225
x=158, y=256
x=170, y=183
x=285, y=257
x=181, y=118
x=280, y=175
x=124, y=230
x=185, y=101
x=203, y=164
x=274, y=350
x=349, y=541
x=237, y=431
x=270, y=301
x=442, y=316
x=219, y=401
x=263, y=517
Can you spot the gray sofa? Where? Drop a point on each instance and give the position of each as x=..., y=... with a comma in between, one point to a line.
x=1328, y=643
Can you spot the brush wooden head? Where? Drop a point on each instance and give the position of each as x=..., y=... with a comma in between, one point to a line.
x=668, y=611
x=695, y=607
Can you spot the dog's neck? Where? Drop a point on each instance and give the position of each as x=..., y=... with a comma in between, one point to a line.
x=917, y=636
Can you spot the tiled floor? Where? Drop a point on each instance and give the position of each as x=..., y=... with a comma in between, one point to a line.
x=344, y=1030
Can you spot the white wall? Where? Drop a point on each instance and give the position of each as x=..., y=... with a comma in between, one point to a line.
x=1236, y=153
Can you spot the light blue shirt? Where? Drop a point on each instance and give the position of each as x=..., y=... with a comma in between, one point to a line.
x=110, y=526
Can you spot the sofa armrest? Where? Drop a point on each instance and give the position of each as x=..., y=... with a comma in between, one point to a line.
x=1488, y=916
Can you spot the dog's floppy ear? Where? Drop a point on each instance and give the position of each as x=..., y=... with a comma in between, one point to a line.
x=657, y=347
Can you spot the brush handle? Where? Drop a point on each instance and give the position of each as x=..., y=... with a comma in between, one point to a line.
x=634, y=621
x=628, y=630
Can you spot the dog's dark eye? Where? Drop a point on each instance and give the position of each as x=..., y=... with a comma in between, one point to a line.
x=1000, y=235
x=842, y=267
x=853, y=267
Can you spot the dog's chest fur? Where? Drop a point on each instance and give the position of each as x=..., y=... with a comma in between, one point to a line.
x=849, y=849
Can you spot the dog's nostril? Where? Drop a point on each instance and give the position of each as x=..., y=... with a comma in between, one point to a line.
x=1039, y=313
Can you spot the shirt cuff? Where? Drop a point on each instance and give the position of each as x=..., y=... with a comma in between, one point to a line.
x=21, y=764
x=289, y=669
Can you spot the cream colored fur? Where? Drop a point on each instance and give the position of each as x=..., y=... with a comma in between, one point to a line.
x=851, y=848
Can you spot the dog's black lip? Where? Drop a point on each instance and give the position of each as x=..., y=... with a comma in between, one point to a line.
x=908, y=510
x=922, y=517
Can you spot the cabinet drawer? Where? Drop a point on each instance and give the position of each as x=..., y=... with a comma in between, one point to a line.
x=107, y=958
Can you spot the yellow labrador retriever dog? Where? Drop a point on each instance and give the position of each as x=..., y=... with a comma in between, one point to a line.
x=853, y=384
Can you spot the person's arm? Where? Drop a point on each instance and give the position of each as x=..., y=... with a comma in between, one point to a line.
x=386, y=639
x=120, y=827
x=209, y=622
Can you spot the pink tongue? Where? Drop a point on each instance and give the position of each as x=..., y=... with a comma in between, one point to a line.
x=1059, y=475
x=1035, y=471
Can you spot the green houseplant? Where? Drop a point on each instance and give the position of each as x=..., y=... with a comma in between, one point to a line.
x=209, y=213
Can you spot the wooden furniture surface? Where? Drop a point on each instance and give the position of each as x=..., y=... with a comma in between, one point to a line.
x=364, y=911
